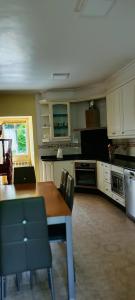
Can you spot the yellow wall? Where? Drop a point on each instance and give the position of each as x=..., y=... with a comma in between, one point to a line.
x=21, y=105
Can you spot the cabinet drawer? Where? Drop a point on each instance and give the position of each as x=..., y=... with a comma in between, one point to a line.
x=107, y=189
x=107, y=172
x=107, y=166
x=107, y=175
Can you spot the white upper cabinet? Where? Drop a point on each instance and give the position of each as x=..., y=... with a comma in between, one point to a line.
x=128, y=100
x=121, y=111
x=60, y=121
x=54, y=121
x=114, y=118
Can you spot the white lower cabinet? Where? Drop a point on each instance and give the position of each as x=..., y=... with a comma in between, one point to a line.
x=107, y=178
x=104, y=177
x=121, y=111
x=100, y=177
x=47, y=171
x=51, y=171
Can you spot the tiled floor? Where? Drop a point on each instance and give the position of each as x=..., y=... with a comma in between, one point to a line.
x=104, y=251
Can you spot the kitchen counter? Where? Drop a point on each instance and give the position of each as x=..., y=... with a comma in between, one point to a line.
x=65, y=157
x=126, y=162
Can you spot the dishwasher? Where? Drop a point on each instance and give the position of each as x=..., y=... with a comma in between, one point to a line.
x=129, y=179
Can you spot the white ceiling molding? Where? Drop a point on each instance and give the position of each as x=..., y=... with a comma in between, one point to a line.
x=95, y=91
x=121, y=77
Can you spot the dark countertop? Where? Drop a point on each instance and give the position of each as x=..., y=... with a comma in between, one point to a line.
x=65, y=157
x=127, y=162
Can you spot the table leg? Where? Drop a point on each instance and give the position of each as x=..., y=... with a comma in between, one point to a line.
x=70, y=263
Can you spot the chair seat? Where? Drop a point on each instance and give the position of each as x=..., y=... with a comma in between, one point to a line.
x=57, y=232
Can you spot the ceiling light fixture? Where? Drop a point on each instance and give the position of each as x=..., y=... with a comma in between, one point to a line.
x=61, y=76
x=94, y=8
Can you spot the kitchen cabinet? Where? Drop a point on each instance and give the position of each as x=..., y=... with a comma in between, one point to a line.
x=52, y=170
x=128, y=103
x=107, y=179
x=114, y=114
x=55, y=121
x=104, y=177
x=100, y=176
x=47, y=171
x=121, y=111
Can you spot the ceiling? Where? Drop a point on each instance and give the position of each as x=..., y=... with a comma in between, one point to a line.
x=39, y=38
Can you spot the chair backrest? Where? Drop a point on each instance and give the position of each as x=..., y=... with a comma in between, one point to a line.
x=63, y=182
x=69, y=196
x=23, y=236
x=24, y=175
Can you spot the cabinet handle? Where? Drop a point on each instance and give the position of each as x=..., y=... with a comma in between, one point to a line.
x=122, y=132
x=113, y=132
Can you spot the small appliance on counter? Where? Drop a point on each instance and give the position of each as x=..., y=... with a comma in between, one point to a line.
x=59, y=153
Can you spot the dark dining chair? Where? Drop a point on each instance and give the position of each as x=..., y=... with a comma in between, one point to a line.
x=58, y=232
x=24, y=244
x=24, y=175
x=63, y=182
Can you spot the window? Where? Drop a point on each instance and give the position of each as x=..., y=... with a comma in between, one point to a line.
x=17, y=129
x=18, y=134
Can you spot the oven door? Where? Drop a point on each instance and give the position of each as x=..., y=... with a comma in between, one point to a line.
x=85, y=178
x=117, y=183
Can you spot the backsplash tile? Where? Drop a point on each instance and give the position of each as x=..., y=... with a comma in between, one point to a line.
x=68, y=148
x=124, y=146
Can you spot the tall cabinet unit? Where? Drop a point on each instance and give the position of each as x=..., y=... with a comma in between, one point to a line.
x=55, y=121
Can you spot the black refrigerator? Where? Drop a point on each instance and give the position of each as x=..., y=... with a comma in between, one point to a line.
x=94, y=144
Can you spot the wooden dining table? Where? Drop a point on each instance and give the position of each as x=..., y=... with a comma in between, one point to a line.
x=57, y=212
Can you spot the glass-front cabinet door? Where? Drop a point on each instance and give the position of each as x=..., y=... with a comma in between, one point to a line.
x=60, y=121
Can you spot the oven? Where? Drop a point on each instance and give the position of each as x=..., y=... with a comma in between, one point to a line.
x=117, y=183
x=85, y=175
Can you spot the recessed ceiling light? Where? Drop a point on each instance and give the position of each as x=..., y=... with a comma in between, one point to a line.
x=61, y=76
x=94, y=8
